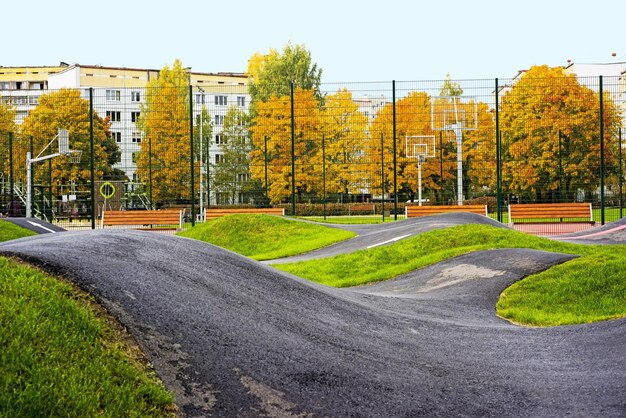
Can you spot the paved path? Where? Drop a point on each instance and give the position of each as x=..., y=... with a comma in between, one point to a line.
x=232, y=337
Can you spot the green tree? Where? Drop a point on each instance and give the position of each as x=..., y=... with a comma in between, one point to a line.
x=271, y=73
x=450, y=88
x=165, y=152
x=231, y=175
x=207, y=135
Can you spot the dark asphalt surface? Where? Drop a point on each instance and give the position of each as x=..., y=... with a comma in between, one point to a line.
x=234, y=338
x=608, y=234
x=370, y=235
x=35, y=225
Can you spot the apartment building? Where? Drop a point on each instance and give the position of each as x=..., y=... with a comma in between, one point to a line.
x=118, y=94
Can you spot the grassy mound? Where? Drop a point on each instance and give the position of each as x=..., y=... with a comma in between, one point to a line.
x=587, y=289
x=62, y=356
x=264, y=237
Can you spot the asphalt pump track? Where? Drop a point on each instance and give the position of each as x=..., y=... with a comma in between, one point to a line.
x=233, y=337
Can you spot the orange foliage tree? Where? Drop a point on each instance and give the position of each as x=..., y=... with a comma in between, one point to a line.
x=272, y=123
x=551, y=135
x=165, y=150
x=64, y=109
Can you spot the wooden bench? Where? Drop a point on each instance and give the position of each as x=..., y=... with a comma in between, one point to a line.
x=414, y=211
x=143, y=219
x=550, y=213
x=216, y=213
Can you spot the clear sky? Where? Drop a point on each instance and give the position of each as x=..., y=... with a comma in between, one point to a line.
x=350, y=40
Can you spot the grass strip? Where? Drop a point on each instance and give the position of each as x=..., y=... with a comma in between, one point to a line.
x=587, y=289
x=264, y=237
x=9, y=231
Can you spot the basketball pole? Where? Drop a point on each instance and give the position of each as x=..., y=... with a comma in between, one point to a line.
x=63, y=138
x=419, y=179
x=458, y=133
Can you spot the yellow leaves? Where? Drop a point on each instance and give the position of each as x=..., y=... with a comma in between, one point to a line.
x=165, y=152
x=67, y=110
x=550, y=118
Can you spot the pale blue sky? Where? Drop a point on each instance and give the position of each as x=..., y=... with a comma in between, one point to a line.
x=360, y=40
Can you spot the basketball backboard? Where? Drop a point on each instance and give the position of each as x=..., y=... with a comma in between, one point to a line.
x=454, y=112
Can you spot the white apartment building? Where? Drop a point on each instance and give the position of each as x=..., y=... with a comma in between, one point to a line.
x=118, y=94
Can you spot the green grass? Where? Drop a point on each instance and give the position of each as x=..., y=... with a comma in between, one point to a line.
x=59, y=359
x=61, y=355
x=9, y=231
x=587, y=289
x=351, y=220
x=264, y=237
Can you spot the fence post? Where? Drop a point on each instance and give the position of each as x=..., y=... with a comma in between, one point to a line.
x=293, y=153
x=31, y=177
x=50, y=190
x=621, y=176
x=267, y=196
x=498, y=157
x=150, y=172
x=601, y=153
x=382, y=173
x=11, y=178
x=395, y=160
x=192, y=163
x=91, y=162
x=324, y=172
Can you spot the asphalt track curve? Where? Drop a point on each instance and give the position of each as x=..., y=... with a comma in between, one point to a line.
x=608, y=234
x=373, y=235
x=234, y=338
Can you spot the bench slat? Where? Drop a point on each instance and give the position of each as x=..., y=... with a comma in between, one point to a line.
x=415, y=211
x=142, y=217
x=550, y=211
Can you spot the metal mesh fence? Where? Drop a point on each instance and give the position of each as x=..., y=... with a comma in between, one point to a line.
x=351, y=148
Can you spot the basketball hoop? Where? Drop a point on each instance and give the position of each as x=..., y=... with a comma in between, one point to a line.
x=420, y=147
x=75, y=156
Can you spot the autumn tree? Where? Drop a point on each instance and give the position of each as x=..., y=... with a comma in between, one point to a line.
x=271, y=74
x=63, y=109
x=231, y=175
x=272, y=131
x=345, y=136
x=7, y=124
x=165, y=151
x=551, y=138
x=413, y=121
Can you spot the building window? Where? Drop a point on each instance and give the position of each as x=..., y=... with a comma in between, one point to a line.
x=134, y=116
x=135, y=138
x=116, y=136
x=219, y=158
x=220, y=140
x=219, y=120
x=135, y=96
x=114, y=116
x=113, y=95
x=135, y=157
x=241, y=101
x=221, y=100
